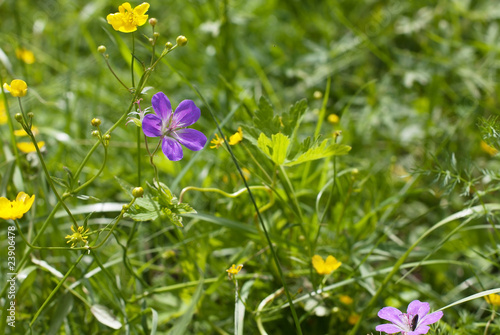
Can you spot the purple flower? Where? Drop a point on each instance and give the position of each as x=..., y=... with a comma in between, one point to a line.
x=414, y=322
x=171, y=126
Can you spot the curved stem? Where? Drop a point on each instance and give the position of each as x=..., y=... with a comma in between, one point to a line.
x=88, y=182
x=216, y=190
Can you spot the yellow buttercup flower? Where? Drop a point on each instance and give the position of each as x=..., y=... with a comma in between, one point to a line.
x=233, y=270
x=345, y=299
x=22, y=132
x=353, y=319
x=3, y=115
x=28, y=147
x=10, y=210
x=493, y=299
x=217, y=142
x=18, y=88
x=127, y=19
x=25, y=55
x=488, y=149
x=236, y=138
x=78, y=236
x=325, y=267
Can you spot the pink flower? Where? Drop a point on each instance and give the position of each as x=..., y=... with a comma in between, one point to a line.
x=414, y=322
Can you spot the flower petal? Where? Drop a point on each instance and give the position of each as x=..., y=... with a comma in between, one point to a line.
x=420, y=330
x=431, y=318
x=141, y=9
x=391, y=314
x=186, y=114
x=388, y=328
x=172, y=149
x=420, y=308
x=191, y=138
x=162, y=106
x=151, y=125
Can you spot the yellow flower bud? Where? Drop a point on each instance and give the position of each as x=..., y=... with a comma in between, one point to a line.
x=181, y=40
x=101, y=49
x=153, y=21
x=96, y=122
x=18, y=117
x=138, y=192
x=168, y=45
x=95, y=133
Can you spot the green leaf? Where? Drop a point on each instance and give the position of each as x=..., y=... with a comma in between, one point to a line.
x=322, y=151
x=105, y=316
x=291, y=120
x=275, y=148
x=265, y=120
x=143, y=209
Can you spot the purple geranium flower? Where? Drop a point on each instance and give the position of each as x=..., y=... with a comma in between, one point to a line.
x=414, y=322
x=171, y=126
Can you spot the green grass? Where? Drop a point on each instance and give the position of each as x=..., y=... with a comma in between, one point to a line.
x=411, y=210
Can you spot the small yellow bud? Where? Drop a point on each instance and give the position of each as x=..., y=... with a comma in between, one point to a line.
x=168, y=45
x=18, y=117
x=152, y=41
x=30, y=115
x=125, y=207
x=107, y=137
x=153, y=21
x=95, y=133
x=138, y=192
x=181, y=40
x=95, y=122
x=101, y=49
x=156, y=34
x=317, y=95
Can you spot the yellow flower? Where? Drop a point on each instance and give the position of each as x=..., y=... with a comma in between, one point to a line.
x=233, y=270
x=127, y=19
x=22, y=132
x=25, y=55
x=3, y=115
x=236, y=138
x=15, y=209
x=345, y=299
x=28, y=147
x=353, y=319
x=78, y=236
x=17, y=88
x=333, y=118
x=493, y=299
x=217, y=142
x=325, y=267
x=488, y=148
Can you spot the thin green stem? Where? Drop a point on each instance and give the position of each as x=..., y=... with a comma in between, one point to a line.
x=261, y=220
x=138, y=156
x=114, y=74
x=88, y=182
x=216, y=190
x=132, y=61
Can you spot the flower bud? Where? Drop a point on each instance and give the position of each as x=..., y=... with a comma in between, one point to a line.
x=101, y=49
x=181, y=40
x=95, y=122
x=30, y=115
x=138, y=192
x=107, y=137
x=95, y=133
x=169, y=45
x=318, y=95
x=153, y=21
x=125, y=207
x=18, y=117
x=156, y=34
x=152, y=41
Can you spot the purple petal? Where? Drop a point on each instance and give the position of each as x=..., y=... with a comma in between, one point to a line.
x=191, y=138
x=388, y=328
x=420, y=308
x=431, y=318
x=151, y=125
x=186, y=114
x=420, y=330
x=391, y=314
x=172, y=149
x=162, y=106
